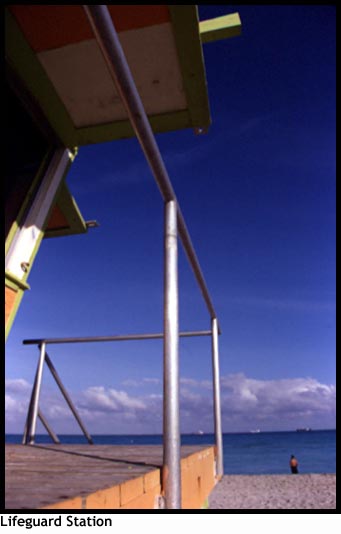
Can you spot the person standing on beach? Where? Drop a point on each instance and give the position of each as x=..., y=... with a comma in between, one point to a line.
x=293, y=464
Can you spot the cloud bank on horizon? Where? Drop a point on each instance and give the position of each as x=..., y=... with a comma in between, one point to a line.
x=247, y=403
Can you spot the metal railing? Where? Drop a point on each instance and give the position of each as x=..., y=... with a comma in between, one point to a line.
x=171, y=427
x=175, y=226
x=34, y=411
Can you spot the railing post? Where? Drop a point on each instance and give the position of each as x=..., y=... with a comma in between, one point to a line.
x=34, y=405
x=171, y=473
x=216, y=399
x=29, y=411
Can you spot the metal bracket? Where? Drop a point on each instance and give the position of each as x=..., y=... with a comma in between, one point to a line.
x=24, y=266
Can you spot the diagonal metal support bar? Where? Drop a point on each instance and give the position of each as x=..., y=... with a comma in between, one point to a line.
x=108, y=41
x=67, y=397
x=34, y=411
x=53, y=436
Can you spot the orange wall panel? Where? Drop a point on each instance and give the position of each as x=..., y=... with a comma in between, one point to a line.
x=47, y=27
x=10, y=297
x=198, y=480
x=145, y=501
x=107, y=499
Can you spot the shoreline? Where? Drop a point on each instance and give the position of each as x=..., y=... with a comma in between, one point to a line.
x=300, y=492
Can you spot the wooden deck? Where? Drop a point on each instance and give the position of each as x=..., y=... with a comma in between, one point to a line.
x=99, y=476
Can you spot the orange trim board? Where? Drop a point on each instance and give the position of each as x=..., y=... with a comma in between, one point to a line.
x=48, y=27
x=197, y=476
x=10, y=297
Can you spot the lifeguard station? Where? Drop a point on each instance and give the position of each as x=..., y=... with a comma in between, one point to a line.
x=87, y=74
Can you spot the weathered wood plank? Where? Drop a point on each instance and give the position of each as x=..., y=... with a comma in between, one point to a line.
x=40, y=475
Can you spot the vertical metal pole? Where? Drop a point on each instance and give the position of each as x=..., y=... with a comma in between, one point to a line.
x=171, y=472
x=29, y=411
x=216, y=399
x=32, y=423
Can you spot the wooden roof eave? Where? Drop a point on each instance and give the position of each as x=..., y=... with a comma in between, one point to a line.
x=185, y=23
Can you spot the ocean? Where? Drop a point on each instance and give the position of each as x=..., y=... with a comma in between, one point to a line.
x=244, y=454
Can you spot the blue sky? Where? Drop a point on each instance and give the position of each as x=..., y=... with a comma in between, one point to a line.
x=258, y=196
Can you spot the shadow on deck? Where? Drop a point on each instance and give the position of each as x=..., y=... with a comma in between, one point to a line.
x=101, y=476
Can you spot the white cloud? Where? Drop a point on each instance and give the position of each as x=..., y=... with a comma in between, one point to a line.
x=154, y=381
x=17, y=395
x=286, y=402
x=191, y=382
x=247, y=403
x=102, y=399
x=131, y=383
x=141, y=382
x=17, y=385
x=10, y=403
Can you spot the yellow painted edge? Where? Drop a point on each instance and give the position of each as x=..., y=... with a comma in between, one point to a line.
x=14, y=282
x=220, y=28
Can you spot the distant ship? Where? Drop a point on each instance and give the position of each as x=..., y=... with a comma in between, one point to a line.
x=306, y=429
x=257, y=431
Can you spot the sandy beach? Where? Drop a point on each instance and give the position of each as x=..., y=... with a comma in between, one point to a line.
x=302, y=492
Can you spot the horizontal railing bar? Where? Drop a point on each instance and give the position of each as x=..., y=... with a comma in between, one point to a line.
x=92, y=339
